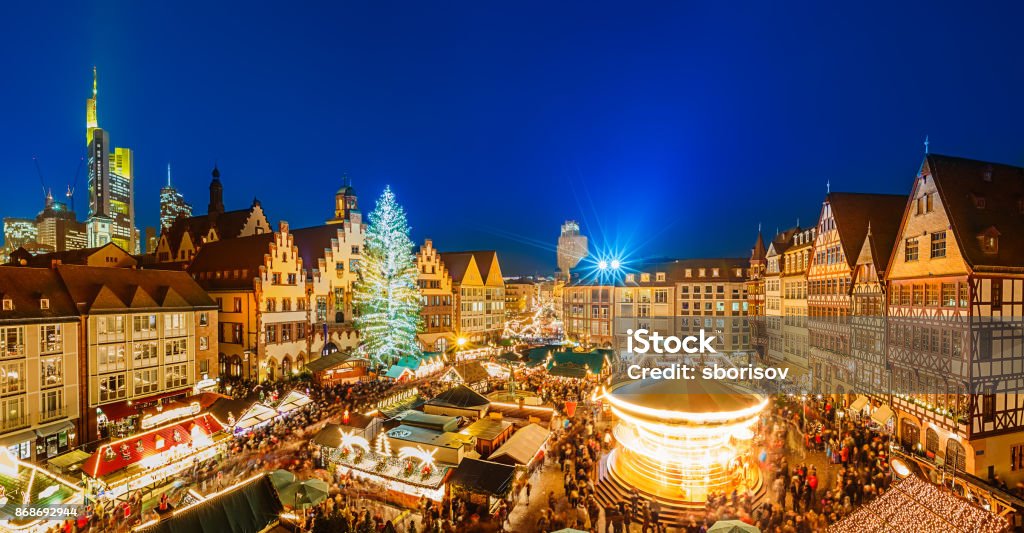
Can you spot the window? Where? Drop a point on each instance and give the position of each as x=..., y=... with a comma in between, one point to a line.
x=50, y=339
x=660, y=296
x=175, y=350
x=12, y=342
x=286, y=304
x=910, y=250
x=145, y=354
x=110, y=328
x=938, y=244
x=238, y=305
x=204, y=319
x=112, y=387
x=204, y=343
x=51, y=370
x=630, y=278
x=1017, y=457
x=271, y=305
x=44, y=303
x=14, y=415
x=660, y=276
x=932, y=295
x=271, y=333
x=144, y=327
x=12, y=378
x=949, y=294
x=146, y=381
x=355, y=250
x=176, y=376
x=286, y=332
x=52, y=404
x=645, y=277
x=988, y=407
x=275, y=278
x=175, y=325
x=110, y=357
x=8, y=304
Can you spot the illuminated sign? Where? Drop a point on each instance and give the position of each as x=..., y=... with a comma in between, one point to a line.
x=162, y=417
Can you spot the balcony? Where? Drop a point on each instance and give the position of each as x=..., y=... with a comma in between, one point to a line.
x=53, y=414
x=16, y=422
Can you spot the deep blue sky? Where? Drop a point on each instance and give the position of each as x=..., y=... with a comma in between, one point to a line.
x=668, y=129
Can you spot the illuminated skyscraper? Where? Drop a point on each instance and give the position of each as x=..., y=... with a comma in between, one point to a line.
x=111, y=186
x=172, y=204
x=572, y=247
x=58, y=227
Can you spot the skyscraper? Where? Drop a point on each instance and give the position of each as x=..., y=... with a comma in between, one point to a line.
x=572, y=247
x=172, y=204
x=111, y=186
x=57, y=226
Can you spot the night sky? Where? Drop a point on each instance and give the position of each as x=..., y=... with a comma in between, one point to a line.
x=667, y=129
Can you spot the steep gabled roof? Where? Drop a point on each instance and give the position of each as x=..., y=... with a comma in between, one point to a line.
x=70, y=257
x=853, y=211
x=458, y=264
x=101, y=288
x=758, y=252
x=242, y=253
x=459, y=396
x=960, y=182
x=313, y=242
x=228, y=224
x=26, y=287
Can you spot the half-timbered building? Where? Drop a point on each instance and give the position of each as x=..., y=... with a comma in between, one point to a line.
x=956, y=291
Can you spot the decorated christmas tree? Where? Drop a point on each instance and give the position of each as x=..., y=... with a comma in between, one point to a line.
x=386, y=294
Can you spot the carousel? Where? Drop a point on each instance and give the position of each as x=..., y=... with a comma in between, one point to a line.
x=678, y=441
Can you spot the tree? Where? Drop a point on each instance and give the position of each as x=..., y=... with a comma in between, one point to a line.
x=386, y=294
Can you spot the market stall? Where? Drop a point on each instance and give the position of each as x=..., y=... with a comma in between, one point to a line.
x=482, y=482
x=23, y=483
x=255, y=416
x=292, y=401
x=145, y=460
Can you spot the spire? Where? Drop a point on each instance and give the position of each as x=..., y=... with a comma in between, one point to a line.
x=91, y=119
x=758, y=253
x=828, y=186
x=168, y=175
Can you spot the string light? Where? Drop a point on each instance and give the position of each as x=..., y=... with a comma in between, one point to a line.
x=912, y=504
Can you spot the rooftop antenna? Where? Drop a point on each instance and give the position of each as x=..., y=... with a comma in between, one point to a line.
x=168, y=175
x=828, y=186
x=926, y=144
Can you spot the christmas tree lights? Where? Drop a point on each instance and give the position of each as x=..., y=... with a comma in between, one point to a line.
x=386, y=294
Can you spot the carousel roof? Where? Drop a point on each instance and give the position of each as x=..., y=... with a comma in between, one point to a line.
x=677, y=398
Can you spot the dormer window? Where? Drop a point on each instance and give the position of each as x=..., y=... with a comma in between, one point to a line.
x=44, y=303
x=630, y=278
x=701, y=272
x=989, y=240
x=645, y=277
x=714, y=272
x=689, y=273
x=8, y=304
x=660, y=276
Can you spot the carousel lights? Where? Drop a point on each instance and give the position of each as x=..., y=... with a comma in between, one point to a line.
x=681, y=416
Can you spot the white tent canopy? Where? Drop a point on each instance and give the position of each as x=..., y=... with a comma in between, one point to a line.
x=254, y=416
x=523, y=445
x=292, y=401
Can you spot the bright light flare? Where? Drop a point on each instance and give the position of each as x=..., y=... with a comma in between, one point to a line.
x=602, y=265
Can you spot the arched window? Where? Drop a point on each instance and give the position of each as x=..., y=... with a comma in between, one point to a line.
x=955, y=454
x=222, y=365
x=910, y=434
x=286, y=367
x=931, y=441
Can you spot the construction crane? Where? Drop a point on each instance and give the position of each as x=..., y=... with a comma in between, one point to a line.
x=74, y=185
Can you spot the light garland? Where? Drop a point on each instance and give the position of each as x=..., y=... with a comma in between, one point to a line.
x=912, y=505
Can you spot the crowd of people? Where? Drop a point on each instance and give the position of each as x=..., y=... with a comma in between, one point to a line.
x=845, y=466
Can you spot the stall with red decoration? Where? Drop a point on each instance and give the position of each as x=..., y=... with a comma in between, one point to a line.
x=146, y=459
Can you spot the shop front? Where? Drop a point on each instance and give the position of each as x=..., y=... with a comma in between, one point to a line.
x=54, y=439
x=121, y=419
